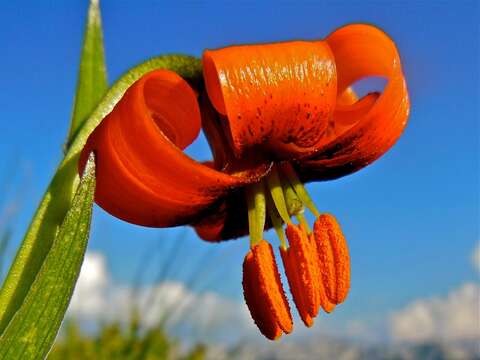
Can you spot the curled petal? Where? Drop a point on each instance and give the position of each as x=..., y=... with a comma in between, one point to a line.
x=361, y=131
x=143, y=176
x=333, y=258
x=278, y=95
x=264, y=293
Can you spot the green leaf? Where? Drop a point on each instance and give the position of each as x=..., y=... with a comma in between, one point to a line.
x=33, y=329
x=92, y=77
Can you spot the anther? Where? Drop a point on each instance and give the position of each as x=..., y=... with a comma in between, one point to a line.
x=325, y=303
x=334, y=260
x=264, y=292
x=301, y=267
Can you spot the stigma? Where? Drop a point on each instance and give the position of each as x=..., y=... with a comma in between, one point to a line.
x=315, y=258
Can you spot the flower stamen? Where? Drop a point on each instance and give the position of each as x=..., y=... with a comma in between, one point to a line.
x=275, y=187
x=276, y=220
x=334, y=258
x=291, y=175
x=264, y=292
x=301, y=267
x=255, y=194
x=316, y=263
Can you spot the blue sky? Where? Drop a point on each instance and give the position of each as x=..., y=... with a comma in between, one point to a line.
x=411, y=218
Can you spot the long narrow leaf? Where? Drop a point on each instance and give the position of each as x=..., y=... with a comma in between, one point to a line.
x=33, y=329
x=92, y=78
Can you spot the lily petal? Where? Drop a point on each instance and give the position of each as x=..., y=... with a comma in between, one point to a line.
x=280, y=96
x=143, y=176
x=377, y=120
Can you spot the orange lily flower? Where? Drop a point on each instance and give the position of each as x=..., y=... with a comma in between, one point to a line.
x=276, y=116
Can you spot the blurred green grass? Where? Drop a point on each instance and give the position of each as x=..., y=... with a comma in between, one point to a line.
x=113, y=341
x=132, y=340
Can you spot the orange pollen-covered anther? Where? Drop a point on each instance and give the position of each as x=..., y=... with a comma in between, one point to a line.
x=301, y=268
x=264, y=292
x=325, y=303
x=334, y=260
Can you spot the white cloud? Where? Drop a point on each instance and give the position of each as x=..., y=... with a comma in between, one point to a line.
x=89, y=298
x=97, y=299
x=454, y=318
